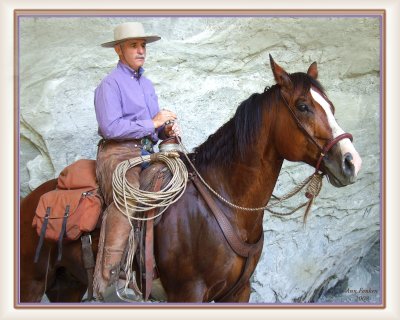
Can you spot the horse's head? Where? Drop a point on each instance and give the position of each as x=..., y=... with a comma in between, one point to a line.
x=306, y=129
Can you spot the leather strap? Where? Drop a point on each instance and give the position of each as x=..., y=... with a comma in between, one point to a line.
x=42, y=233
x=240, y=247
x=88, y=262
x=149, y=244
x=300, y=125
x=63, y=229
x=244, y=276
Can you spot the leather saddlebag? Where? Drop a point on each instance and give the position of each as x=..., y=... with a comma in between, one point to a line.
x=72, y=209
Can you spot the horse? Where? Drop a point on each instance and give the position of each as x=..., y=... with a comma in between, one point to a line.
x=241, y=161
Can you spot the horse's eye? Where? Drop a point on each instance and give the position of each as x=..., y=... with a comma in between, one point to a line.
x=303, y=108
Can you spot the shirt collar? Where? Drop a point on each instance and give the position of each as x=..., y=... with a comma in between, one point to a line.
x=127, y=69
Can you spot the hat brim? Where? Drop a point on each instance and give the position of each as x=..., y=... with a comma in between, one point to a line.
x=148, y=39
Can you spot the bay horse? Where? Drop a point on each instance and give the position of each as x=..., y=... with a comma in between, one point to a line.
x=292, y=120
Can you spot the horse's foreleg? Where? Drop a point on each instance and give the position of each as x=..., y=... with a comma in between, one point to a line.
x=240, y=295
x=189, y=292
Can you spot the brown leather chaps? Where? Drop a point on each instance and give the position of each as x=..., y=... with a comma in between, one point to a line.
x=116, y=225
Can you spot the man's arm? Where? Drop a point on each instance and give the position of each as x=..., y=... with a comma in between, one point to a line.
x=110, y=118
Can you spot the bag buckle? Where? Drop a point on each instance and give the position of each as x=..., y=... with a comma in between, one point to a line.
x=86, y=239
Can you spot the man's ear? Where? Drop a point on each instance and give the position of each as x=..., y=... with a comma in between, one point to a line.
x=313, y=70
x=118, y=49
x=280, y=75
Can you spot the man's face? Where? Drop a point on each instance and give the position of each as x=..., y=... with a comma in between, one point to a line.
x=132, y=52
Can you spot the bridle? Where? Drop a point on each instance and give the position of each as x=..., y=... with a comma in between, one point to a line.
x=328, y=145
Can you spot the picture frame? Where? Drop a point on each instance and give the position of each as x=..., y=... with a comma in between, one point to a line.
x=258, y=310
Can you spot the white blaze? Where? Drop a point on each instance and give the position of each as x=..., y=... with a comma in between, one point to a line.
x=345, y=145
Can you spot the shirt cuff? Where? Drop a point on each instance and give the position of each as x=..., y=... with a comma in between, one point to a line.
x=148, y=127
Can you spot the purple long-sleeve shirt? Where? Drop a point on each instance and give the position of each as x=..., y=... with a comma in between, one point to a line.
x=125, y=102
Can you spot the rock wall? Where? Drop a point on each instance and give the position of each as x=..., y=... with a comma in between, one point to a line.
x=202, y=69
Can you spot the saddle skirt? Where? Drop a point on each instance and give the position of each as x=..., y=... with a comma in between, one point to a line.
x=150, y=175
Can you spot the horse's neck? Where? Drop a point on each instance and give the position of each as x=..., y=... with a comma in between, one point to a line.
x=248, y=183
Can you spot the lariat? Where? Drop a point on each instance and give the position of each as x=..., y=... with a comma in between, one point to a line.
x=130, y=200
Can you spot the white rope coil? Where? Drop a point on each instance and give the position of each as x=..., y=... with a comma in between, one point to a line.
x=130, y=200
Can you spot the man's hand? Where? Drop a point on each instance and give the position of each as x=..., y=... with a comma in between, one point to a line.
x=172, y=130
x=162, y=117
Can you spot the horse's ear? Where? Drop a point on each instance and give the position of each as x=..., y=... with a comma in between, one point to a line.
x=313, y=70
x=280, y=75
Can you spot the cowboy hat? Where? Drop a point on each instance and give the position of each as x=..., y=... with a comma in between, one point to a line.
x=129, y=30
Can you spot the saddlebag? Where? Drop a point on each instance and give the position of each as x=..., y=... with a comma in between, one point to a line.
x=70, y=210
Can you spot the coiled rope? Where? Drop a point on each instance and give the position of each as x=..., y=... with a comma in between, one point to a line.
x=130, y=200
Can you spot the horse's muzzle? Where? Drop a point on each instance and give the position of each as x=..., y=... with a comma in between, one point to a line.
x=341, y=168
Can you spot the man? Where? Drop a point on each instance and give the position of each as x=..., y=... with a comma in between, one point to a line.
x=130, y=123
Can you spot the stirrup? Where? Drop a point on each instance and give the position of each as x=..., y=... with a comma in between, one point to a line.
x=125, y=296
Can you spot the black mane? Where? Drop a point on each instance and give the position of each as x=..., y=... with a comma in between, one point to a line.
x=233, y=139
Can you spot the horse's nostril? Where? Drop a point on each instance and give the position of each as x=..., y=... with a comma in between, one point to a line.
x=348, y=166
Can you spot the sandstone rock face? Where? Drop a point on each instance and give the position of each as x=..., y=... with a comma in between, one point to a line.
x=202, y=69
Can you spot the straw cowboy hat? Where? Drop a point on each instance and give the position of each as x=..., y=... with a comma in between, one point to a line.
x=129, y=30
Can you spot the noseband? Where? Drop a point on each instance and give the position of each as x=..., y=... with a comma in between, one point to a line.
x=328, y=146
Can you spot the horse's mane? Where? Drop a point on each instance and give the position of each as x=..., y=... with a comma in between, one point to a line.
x=233, y=139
